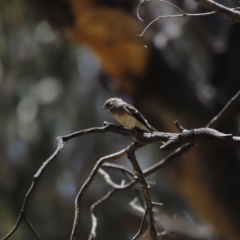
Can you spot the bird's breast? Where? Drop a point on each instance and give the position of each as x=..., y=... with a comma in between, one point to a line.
x=129, y=121
x=126, y=120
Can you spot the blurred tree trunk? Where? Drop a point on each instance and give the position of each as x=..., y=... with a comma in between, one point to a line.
x=209, y=175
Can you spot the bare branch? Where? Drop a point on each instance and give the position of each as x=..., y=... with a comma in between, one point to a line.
x=233, y=103
x=36, y=178
x=172, y=5
x=201, y=134
x=145, y=189
x=86, y=184
x=138, y=8
x=231, y=13
x=226, y=111
x=174, y=16
x=20, y=218
x=183, y=14
x=172, y=141
x=141, y=225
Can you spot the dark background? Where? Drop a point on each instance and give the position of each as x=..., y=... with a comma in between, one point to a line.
x=58, y=66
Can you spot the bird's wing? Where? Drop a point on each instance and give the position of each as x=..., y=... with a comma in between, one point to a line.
x=132, y=110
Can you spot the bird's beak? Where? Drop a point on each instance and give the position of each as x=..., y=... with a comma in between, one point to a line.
x=103, y=108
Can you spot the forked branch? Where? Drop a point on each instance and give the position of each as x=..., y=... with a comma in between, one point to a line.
x=183, y=141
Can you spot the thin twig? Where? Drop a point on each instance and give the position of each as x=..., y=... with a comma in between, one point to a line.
x=229, y=13
x=93, y=216
x=157, y=204
x=233, y=103
x=14, y=228
x=178, y=126
x=141, y=225
x=135, y=206
x=108, y=179
x=118, y=167
x=138, y=8
x=183, y=14
x=32, y=228
x=174, y=16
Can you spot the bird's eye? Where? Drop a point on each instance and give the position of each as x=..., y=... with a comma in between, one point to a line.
x=108, y=104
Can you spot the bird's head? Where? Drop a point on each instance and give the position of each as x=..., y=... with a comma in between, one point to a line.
x=110, y=103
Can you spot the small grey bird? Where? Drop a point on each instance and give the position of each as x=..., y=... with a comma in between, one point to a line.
x=127, y=115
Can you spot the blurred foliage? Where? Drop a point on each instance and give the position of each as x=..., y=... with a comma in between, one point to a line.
x=44, y=93
x=50, y=87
